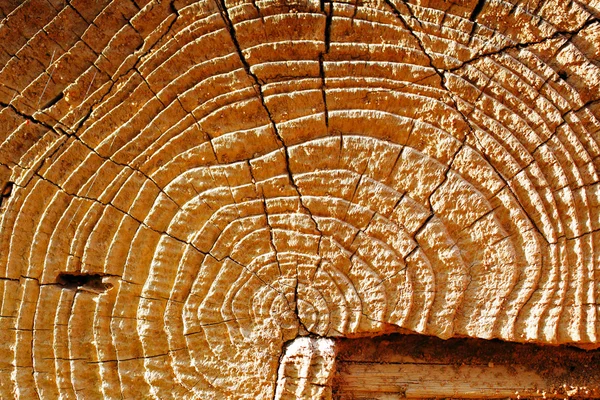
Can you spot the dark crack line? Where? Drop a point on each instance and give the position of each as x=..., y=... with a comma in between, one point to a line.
x=555, y=35
x=78, y=139
x=268, y=222
x=432, y=65
x=110, y=204
x=507, y=181
x=74, y=133
x=280, y=139
x=296, y=301
x=135, y=67
x=524, y=45
x=107, y=158
x=60, y=136
x=89, y=113
x=253, y=273
x=33, y=119
x=207, y=136
x=328, y=11
x=441, y=74
x=258, y=11
x=259, y=91
x=506, y=184
x=476, y=11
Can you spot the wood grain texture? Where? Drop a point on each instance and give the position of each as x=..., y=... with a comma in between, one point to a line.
x=186, y=186
x=425, y=367
x=306, y=369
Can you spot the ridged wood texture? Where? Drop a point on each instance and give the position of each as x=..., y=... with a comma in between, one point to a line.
x=306, y=369
x=244, y=172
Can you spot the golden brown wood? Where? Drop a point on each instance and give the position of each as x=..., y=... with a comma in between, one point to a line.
x=187, y=186
x=397, y=366
x=425, y=381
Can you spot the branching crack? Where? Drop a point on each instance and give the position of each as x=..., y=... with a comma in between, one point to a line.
x=74, y=195
x=442, y=75
x=259, y=92
x=522, y=45
x=59, y=130
x=268, y=222
x=124, y=73
x=31, y=119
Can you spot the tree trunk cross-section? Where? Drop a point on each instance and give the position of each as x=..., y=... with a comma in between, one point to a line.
x=197, y=197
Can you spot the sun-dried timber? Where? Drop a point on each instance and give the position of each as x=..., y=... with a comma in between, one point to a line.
x=186, y=187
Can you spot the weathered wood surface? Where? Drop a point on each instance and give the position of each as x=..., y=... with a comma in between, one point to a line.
x=306, y=369
x=396, y=367
x=188, y=185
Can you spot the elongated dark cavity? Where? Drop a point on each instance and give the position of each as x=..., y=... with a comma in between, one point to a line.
x=7, y=189
x=74, y=280
x=6, y=192
x=477, y=10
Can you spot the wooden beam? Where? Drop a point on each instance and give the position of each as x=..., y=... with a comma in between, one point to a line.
x=399, y=366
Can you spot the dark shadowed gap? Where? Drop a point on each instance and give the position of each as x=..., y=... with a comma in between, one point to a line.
x=53, y=101
x=76, y=280
x=7, y=189
x=6, y=192
x=477, y=10
x=563, y=75
x=414, y=366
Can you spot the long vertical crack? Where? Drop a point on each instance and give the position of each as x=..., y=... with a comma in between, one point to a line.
x=442, y=77
x=259, y=92
x=327, y=9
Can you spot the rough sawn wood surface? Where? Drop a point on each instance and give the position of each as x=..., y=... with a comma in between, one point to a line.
x=188, y=185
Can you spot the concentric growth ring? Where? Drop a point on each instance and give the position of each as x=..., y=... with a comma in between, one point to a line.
x=186, y=186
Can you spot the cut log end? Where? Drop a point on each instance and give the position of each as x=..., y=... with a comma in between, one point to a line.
x=187, y=187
